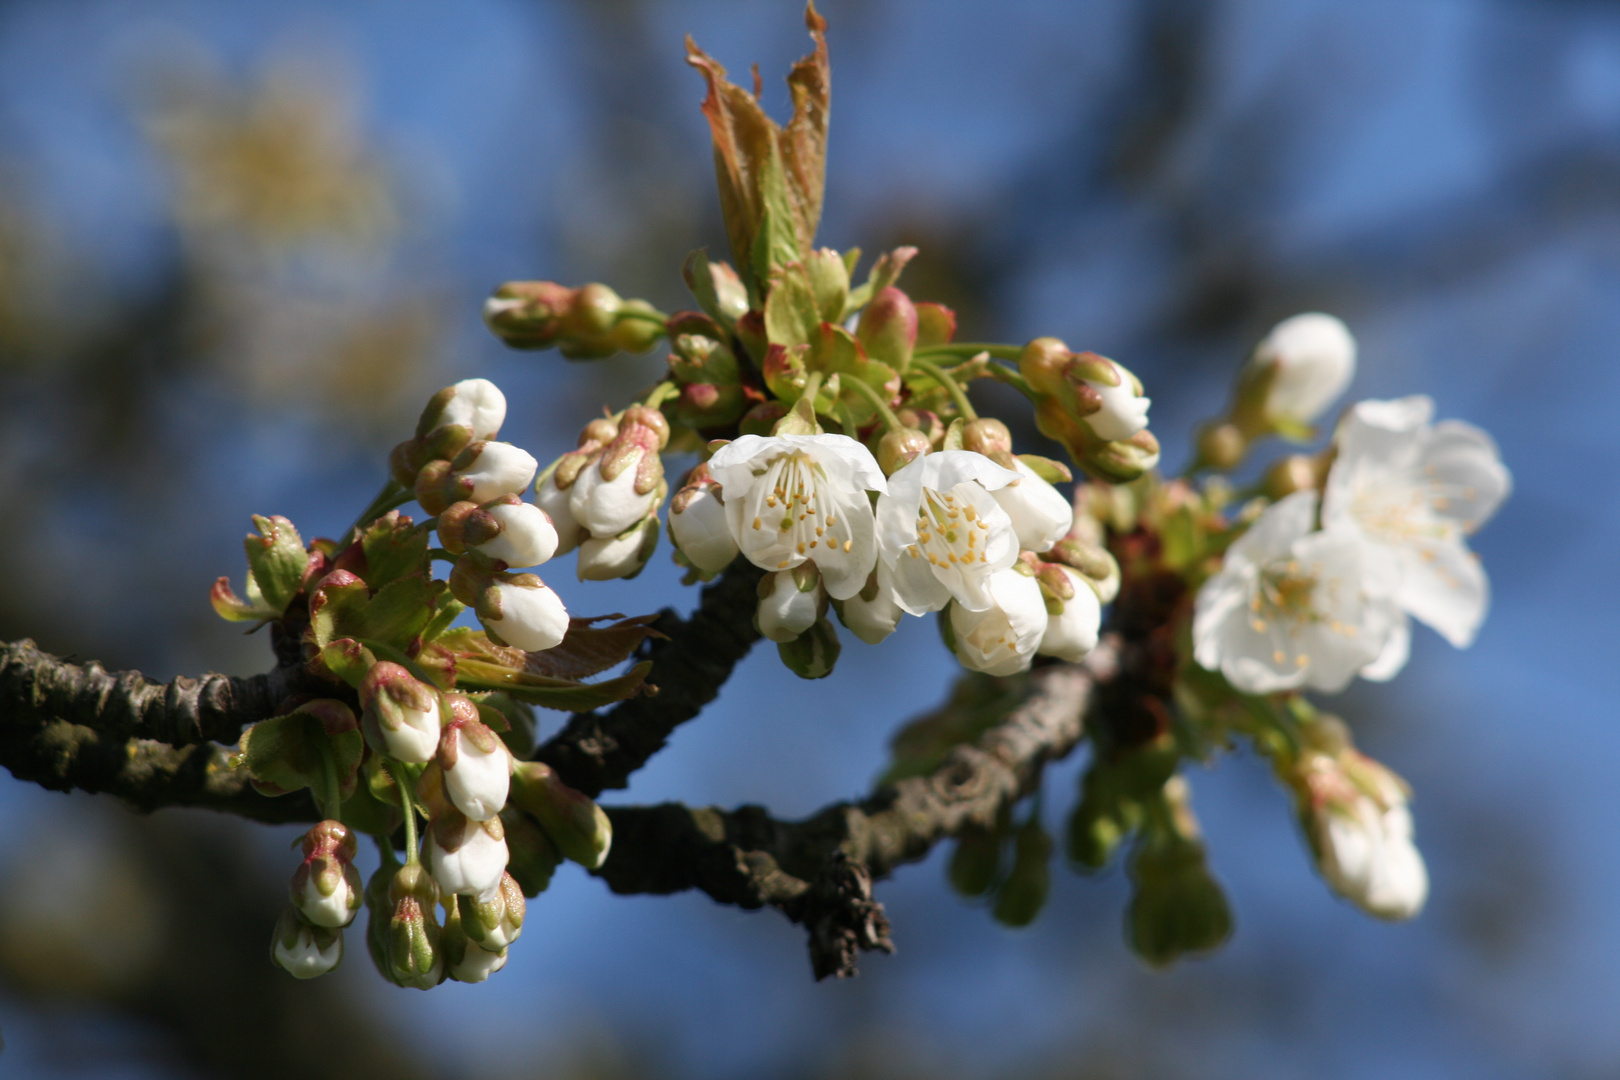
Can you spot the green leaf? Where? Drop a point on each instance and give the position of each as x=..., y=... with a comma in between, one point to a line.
x=400, y=611
x=348, y=660
x=364, y=812
x=791, y=314
x=285, y=752
x=549, y=693
x=229, y=606
x=276, y=561
x=336, y=611
x=885, y=272
x=394, y=549
x=700, y=280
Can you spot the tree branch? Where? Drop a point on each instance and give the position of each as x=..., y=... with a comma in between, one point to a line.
x=819, y=871
x=598, y=751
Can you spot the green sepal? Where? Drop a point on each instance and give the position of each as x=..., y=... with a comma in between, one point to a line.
x=885, y=272
x=953, y=435
x=1053, y=472
x=400, y=611
x=276, y=561
x=348, y=660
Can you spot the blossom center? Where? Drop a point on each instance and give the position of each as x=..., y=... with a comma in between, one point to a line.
x=791, y=514
x=950, y=532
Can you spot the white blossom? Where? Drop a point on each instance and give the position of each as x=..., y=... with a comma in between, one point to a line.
x=527, y=536
x=1124, y=409
x=605, y=507
x=1001, y=640
x=1291, y=607
x=1072, y=633
x=478, y=405
x=942, y=533
x=555, y=502
x=334, y=909
x=477, y=964
x=477, y=769
x=792, y=499
x=1361, y=832
x=1414, y=492
x=1040, y=515
x=494, y=469
x=402, y=715
x=607, y=557
x=475, y=859
x=873, y=613
x=532, y=616
x=305, y=951
x=785, y=610
x=1312, y=358
x=698, y=526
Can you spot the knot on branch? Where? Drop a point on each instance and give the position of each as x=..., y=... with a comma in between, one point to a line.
x=842, y=918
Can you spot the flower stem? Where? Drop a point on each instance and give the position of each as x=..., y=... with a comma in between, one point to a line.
x=398, y=773
x=643, y=316
x=939, y=375
x=331, y=796
x=890, y=421
x=812, y=387
x=967, y=350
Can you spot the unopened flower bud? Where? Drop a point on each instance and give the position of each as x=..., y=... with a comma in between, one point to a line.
x=1124, y=409
x=697, y=522
x=618, y=489
x=475, y=404
x=790, y=602
x=466, y=856
x=528, y=314
x=622, y=556
x=476, y=963
x=1304, y=364
x=401, y=717
x=1355, y=814
x=1040, y=515
x=486, y=470
x=888, y=328
x=475, y=763
x=813, y=654
x=1221, y=446
x=326, y=887
x=1095, y=564
x=925, y=421
x=415, y=953
x=873, y=613
x=976, y=863
x=1296, y=472
x=532, y=857
x=1023, y=894
x=302, y=950
x=572, y=820
x=496, y=920
x=508, y=529
x=554, y=501
x=900, y=448
x=1074, y=617
x=523, y=611
x=936, y=324
x=1177, y=907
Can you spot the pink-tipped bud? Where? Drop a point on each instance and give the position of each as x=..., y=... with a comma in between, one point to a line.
x=401, y=718
x=475, y=762
x=888, y=328
x=326, y=888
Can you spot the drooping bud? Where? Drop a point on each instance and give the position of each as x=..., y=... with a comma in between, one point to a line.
x=401, y=713
x=302, y=950
x=888, y=328
x=528, y=314
x=475, y=763
x=326, y=887
x=697, y=522
x=415, y=953
x=936, y=324
x=873, y=613
x=622, y=556
x=466, y=856
x=531, y=856
x=1094, y=562
x=925, y=421
x=496, y=920
x=1177, y=907
x=976, y=863
x=1074, y=615
x=813, y=654
x=790, y=602
x=487, y=470
x=1023, y=894
x=573, y=821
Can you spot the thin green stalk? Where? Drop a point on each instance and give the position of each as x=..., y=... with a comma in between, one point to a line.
x=391, y=495
x=331, y=797
x=967, y=350
x=812, y=387
x=890, y=421
x=941, y=376
x=660, y=394
x=642, y=316
x=398, y=773
x=1013, y=379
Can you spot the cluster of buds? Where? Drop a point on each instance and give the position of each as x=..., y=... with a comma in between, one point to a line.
x=713, y=392
x=586, y=323
x=604, y=496
x=1093, y=406
x=325, y=895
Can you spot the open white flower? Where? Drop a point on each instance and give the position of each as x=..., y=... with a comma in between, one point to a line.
x=792, y=499
x=1360, y=830
x=1001, y=640
x=1311, y=359
x=1293, y=608
x=1414, y=491
x=1040, y=515
x=943, y=534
